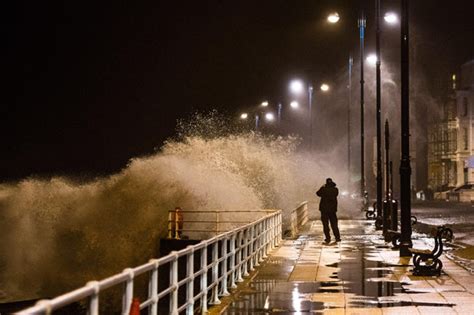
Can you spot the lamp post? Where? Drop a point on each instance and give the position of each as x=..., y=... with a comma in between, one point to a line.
x=405, y=168
x=297, y=86
x=349, y=105
x=361, y=24
x=378, y=121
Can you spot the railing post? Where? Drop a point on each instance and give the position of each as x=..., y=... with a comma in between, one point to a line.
x=256, y=243
x=153, y=289
x=224, y=290
x=265, y=238
x=204, y=279
x=170, y=225
x=280, y=232
x=250, y=244
x=128, y=292
x=245, y=253
x=94, y=298
x=232, y=261
x=242, y=249
x=215, y=273
x=190, y=284
x=174, y=284
x=272, y=232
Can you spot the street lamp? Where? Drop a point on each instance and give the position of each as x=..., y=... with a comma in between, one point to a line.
x=391, y=18
x=372, y=59
x=269, y=117
x=333, y=18
x=264, y=104
x=244, y=116
x=294, y=104
x=297, y=87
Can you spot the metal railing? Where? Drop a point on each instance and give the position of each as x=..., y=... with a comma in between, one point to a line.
x=299, y=217
x=223, y=262
x=206, y=224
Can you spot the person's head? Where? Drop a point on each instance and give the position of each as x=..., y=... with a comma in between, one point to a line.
x=330, y=183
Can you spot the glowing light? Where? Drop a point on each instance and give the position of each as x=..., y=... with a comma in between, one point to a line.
x=333, y=18
x=244, y=116
x=269, y=116
x=344, y=193
x=296, y=86
x=391, y=18
x=265, y=104
x=372, y=59
x=324, y=87
x=294, y=104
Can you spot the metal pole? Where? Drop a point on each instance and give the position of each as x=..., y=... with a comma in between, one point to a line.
x=349, y=105
x=388, y=197
x=279, y=112
x=405, y=169
x=362, y=23
x=377, y=113
x=310, y=102
x=257, y=119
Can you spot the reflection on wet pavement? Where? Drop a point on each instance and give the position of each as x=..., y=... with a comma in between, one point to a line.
x=303, y=276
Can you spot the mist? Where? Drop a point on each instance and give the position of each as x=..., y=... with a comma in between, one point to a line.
x=59, y=233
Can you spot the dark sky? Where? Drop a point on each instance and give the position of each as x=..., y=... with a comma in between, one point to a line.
x=88, y=85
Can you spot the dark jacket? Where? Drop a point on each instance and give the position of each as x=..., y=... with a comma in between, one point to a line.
x=328, y=194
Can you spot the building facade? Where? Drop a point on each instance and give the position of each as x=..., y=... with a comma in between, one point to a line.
x=451, y=139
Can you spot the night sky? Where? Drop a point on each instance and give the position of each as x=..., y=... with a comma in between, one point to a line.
x=89, y=85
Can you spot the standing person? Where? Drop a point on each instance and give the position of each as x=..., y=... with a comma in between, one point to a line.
x=328, y=208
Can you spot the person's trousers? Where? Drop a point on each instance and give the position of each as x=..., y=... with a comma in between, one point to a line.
x=330, y=218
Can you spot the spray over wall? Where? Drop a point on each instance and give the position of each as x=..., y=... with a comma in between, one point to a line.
x=57, y=233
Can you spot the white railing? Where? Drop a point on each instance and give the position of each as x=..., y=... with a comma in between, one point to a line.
x=223, y=262
x=201, y=224
x=299, y=217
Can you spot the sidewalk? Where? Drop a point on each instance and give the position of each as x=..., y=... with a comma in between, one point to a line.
x=360, y=275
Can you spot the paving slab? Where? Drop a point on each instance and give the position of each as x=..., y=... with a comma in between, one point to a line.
x=360, y=275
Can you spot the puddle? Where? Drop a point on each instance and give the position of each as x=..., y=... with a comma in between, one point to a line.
x=368, y=281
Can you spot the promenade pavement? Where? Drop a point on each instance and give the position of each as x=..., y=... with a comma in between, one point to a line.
x=360, y=275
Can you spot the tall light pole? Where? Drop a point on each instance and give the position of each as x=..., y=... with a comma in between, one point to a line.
x=405, y=168
x=349, y=105
x=377, y=113
x=310, y=102
x=362, y=24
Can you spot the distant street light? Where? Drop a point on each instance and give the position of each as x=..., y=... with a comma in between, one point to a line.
x=391, y=18
x=244, y=116
x=269, y=117
x=296, y=86
x=372, y=59
x=264, y=104
x=333, y=18
x=324, y=87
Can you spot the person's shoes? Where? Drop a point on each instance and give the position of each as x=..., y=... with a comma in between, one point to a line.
x=326, y=242
x=338, y=240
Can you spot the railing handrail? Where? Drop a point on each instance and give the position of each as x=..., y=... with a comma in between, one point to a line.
x=249, y=245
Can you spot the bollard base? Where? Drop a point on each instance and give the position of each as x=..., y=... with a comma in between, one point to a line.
x=405, y=249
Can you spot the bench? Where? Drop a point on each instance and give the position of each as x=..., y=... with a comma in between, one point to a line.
x=427, y=262
x=394, y=236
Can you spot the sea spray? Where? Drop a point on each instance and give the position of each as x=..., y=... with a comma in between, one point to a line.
x=57, y=234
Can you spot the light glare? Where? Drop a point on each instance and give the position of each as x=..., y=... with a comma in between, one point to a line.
x=390, y=18
x=294, y=104
x=244, y=116
x=333, y=18
x=372, y=59
x=265, y=104
x=269, y=117
x=324, y=87
x=296, y=86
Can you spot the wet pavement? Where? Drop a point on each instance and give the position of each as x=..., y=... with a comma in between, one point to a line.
x=360, y=275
